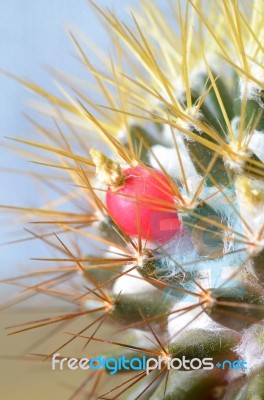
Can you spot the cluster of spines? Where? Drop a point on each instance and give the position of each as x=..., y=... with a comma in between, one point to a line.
x=216, y=126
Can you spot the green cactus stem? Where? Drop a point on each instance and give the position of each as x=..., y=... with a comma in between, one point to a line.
x=237, y=307
x=202, y=343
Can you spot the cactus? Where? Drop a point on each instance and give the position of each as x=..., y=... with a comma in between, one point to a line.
x=164, y=240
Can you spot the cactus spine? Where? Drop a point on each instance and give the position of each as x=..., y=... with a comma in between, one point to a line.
x=185, y=106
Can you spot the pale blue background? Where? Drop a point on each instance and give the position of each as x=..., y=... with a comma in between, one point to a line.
x=32, y=37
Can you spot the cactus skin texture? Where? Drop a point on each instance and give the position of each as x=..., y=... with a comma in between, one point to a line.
x=187, y=102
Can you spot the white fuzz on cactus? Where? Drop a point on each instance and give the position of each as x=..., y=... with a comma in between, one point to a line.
x=251, y=347
x=131, y=283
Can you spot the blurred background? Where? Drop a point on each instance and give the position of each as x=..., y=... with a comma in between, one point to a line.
x=33, y=36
